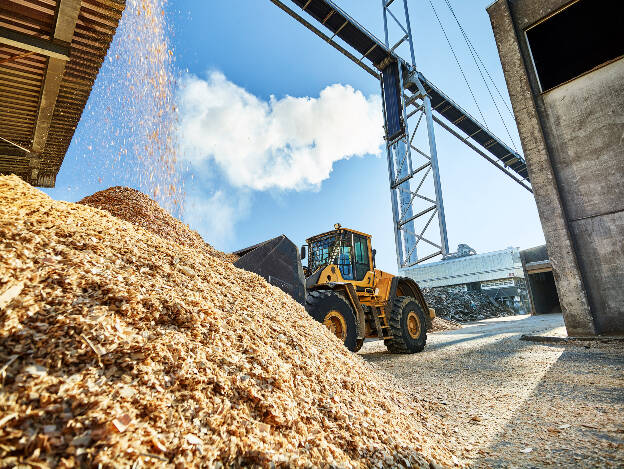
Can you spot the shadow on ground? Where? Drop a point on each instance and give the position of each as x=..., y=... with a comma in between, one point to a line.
x=503, y=396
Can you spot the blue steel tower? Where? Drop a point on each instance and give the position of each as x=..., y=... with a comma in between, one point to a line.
x=412, y=211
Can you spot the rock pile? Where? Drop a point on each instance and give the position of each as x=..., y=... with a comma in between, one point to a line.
x=464, y=306
x=137, y=208
x=120, y=348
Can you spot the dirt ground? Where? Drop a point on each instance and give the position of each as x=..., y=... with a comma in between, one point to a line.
x=515, y=403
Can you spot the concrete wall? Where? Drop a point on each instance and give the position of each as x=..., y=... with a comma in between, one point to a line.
x=573, y=140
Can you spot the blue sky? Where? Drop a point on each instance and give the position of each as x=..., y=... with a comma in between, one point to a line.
x=262, y=52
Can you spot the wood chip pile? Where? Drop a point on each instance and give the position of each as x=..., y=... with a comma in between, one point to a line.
x=440, y=325
x=134, y=206
x=122, y=348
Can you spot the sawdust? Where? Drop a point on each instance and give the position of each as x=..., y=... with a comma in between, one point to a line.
x=137, y=208
x=441, y=325
x=124, y=348
x=129, y=130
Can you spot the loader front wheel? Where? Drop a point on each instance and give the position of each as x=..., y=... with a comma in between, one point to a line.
x=408, y=326
x=331, y=309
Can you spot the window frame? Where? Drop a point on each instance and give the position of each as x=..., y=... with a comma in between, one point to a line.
x=365, y=251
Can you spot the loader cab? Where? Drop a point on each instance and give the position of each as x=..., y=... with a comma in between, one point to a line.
x=348, y=250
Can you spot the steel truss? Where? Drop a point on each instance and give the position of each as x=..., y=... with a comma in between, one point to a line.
x=412, y=161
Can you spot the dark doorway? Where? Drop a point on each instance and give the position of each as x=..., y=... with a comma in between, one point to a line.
x=544, y=293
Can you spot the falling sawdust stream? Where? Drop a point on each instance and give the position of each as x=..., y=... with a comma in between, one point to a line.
x=132, y=118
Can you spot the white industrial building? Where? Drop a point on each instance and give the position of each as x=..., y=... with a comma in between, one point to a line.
x=498, y=273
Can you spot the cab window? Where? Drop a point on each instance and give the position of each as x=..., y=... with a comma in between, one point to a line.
x=360, y=246
x=344, y=263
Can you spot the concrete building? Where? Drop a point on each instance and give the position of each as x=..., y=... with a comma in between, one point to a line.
x=564, y=66
x=498, y=274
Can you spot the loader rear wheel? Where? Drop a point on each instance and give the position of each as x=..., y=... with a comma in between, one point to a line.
x=408, y=326
x=331, y=309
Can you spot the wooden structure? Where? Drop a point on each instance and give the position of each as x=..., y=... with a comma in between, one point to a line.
x=50, y=54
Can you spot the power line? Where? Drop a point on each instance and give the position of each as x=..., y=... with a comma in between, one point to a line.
x=458, y=64
x=482, y=68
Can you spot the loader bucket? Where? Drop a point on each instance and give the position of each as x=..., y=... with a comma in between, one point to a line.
x=279, y=262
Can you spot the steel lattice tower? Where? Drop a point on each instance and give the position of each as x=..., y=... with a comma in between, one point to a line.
x=412, y=211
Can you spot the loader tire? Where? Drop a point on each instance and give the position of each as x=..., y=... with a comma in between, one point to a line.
x=331, y=309
x=408, y=326
x=358, y=345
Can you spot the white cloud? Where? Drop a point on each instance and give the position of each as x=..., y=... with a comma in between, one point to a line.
x=288, y=143
x=215, y=216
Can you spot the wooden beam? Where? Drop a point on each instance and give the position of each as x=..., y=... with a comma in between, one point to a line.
x=33, y=44
x=66, y=19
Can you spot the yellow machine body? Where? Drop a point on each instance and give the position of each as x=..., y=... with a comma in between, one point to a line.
x=342, y=289
x=350, y=270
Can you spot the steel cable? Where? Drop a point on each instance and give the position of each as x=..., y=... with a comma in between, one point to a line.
x=480, y=65
x=458, y=64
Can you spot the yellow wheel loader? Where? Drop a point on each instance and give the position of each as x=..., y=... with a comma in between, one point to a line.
x=341, y=288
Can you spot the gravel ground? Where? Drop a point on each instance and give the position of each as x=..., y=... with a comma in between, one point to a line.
x=519, y=404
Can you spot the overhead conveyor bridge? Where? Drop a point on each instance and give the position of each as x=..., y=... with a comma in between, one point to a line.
x=373, y=55
x=411, y=105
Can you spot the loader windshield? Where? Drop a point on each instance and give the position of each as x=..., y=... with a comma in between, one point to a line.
x=334, y=248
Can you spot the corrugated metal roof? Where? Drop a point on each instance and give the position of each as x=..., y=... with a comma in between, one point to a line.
x=50, y=54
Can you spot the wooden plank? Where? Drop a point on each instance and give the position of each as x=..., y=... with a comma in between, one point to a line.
x=17, y=116
x=19, y=107
x=20, y=76
x=14, y=84
x=118, y=5
x=10, y=97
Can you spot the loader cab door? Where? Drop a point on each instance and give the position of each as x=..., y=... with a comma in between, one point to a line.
x=361, y=257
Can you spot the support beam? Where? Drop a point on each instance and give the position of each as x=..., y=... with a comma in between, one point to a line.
x=66, y=19
x=49, y=93
x=33, y=44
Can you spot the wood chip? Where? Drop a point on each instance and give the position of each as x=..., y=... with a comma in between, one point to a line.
x=36, y=370
x=264, y=428
x=10, y=293
x=137, y=208
x=122, y=423
x=158, y=445
x=193, y=440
